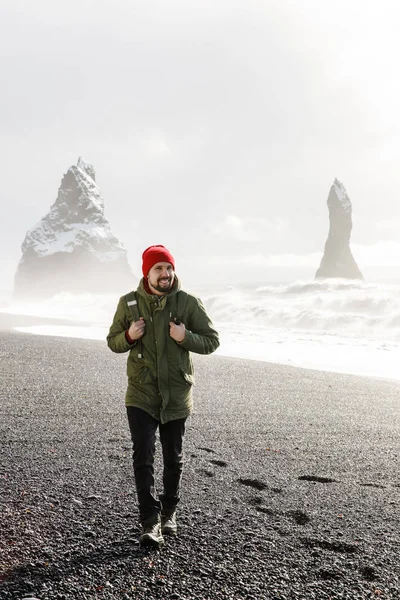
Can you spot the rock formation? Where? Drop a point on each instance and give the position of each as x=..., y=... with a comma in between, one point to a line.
x=338, y=260
x=72, y=249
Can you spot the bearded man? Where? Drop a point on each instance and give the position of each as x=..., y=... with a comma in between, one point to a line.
x=159, y=325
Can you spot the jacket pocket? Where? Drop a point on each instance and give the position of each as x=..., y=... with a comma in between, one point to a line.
x=179, y=378
x=138, y=371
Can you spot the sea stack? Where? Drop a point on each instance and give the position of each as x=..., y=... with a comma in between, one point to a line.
x=338, y=260
x=72, y=249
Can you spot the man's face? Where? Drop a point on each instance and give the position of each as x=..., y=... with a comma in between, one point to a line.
x=161, y=278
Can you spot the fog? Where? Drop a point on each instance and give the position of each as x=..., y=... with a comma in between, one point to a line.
x=215, y=128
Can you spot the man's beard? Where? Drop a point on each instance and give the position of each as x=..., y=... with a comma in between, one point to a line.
x=162, y=287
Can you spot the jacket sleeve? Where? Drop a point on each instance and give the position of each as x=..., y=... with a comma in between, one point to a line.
x=116, y=339
x=201, y=337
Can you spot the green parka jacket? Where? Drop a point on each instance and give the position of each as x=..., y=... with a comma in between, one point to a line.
x=160, y=371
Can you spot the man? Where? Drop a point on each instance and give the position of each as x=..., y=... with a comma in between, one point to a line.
x=159, y=325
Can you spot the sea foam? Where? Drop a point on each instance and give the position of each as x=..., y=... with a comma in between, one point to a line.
x=333, y=325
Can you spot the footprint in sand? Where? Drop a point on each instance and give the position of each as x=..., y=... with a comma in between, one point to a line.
x=256, y=500
x=205, y=472
x=299, y=516
x=254, y=483
x=219, y=463
x=265, y=510
x=316, y=478
x=341, y=547
x=206, y=449
x=373, y=485
x=328, y=574
x=368, y=573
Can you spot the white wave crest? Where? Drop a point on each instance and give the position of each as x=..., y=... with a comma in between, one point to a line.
x=340, y=325
x=334, y=306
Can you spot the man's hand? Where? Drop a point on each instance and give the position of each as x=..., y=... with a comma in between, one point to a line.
x=136, y=330
x=177, y=332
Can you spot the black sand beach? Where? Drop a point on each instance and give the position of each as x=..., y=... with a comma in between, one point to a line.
x=290, y=490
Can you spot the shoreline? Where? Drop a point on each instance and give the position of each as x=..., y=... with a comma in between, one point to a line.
x=64, y=328
x=9, y=321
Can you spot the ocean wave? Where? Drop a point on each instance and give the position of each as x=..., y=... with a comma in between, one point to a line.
x=329, y=306
x=336, y=306
x=324, y=285
x=342, y=326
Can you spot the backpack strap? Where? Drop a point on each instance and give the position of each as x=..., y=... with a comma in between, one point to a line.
x=134, y=310
x=132, y=305
x=182, y=297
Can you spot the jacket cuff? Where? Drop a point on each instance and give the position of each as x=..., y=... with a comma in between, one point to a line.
x=130, y=341
x=185, y=339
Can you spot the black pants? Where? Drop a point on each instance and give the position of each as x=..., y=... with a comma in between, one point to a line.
x=143, y=432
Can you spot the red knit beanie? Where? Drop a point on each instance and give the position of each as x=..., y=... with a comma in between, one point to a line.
x=153, y=255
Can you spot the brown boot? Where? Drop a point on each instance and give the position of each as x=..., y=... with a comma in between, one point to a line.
x=151, y=534
x=168, y=522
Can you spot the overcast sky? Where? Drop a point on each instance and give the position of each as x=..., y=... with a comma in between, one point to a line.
x=216, y=127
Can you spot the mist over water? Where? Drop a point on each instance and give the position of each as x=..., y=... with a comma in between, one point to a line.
x=328, y=306
x=334, y=325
